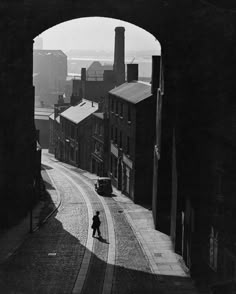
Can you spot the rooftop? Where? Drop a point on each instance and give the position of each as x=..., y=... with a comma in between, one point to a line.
x=81, y=111
x=43, y=110
x=51, y=116
x=97, y=66
x=49, y=52
x=58, y=118
x=133, y=92
x=43, y=113
x=99, y=115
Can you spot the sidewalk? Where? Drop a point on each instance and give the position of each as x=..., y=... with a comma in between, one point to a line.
x=157, y=246
x=15, y=236
x=164, y=262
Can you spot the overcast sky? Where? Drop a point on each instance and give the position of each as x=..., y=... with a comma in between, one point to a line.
x=96, y=33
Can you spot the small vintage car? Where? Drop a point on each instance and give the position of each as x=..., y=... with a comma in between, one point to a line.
x=103, y=186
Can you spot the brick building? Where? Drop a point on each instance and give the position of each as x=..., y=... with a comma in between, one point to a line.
x=132, y=110
x=99, y=162
x=75, y=140
x=94, y=88
x=54, y=126
x=96, y=70
x=42, y=123
x=49, y=76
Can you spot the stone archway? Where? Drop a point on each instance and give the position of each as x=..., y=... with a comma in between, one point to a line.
x=198, y=43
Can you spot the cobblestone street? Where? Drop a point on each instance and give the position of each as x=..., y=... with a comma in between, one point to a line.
x=62, y=256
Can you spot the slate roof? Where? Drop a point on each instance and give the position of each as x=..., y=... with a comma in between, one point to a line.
x=51, y=116
x=133, y=92
x=99, y=115
x=79, y=112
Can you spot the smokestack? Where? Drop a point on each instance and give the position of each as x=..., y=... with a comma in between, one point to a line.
x=156, y=68
x=119, y=55
x=76, y=92
x=132, y=72
x=83, y=74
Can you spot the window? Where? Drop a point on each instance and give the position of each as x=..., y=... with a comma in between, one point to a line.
x=116, y=135
x=117, y=107
x=111, y=161
x=120, y=140
x=96, y=128
x=129, y=113
x=98, y=149
x=127, y=179
x=121, y=110
x=101, y=130
x=112, y=135
x=115, y=167
x=72, y=131
x=72, y=153
x=112, y=105
x=213, y=249
x=128, y=145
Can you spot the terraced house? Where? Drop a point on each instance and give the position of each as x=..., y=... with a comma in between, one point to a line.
x=99, y=162
x=76, y=134
x=132, y=110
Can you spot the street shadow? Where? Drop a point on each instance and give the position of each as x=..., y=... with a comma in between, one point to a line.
x=46, y=167
x=148, y=206
x=48, y=185
x=107, y=195
x=101, y=239
x=46, y=179
x=49, y=260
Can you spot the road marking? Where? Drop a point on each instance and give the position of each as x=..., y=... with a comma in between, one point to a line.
x=79, y=283
x=107, y=285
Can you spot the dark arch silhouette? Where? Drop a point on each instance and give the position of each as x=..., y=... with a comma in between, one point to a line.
x=198, y=46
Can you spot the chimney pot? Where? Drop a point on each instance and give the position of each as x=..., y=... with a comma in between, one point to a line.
x=83, y=74
x=132, y=72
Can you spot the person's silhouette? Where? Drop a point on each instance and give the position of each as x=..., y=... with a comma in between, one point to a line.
x=96, y=224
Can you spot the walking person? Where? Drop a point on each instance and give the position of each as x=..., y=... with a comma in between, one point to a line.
x=96, y=224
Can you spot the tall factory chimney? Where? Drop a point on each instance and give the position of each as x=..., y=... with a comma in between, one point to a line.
x=119, y=56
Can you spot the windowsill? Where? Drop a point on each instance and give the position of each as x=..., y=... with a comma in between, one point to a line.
x=114, y=143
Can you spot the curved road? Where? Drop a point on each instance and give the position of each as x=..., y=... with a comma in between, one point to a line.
x=62, y=256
